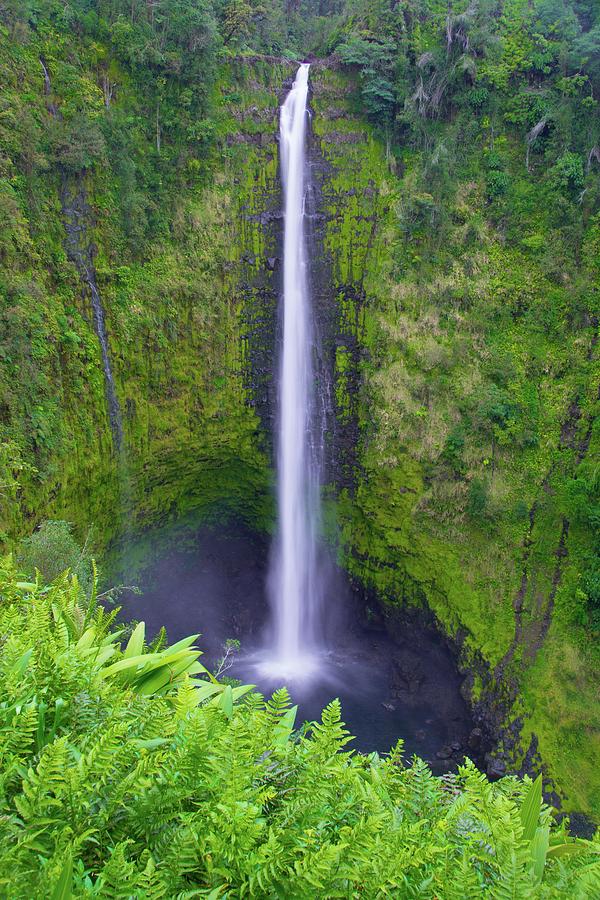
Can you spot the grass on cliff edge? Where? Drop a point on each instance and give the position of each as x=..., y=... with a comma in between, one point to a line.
x=566, y=720
x=127, y=770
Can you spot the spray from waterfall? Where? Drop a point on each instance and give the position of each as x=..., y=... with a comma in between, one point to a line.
x=295, y=586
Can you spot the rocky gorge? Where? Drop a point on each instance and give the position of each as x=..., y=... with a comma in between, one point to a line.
x=181, y=432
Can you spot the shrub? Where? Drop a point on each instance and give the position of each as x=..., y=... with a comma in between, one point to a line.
x=568, y=175
x=453, y=450
x=590, y=589
x=493, y=160
x=51, y=550
x=78, y=145
x=477, y=501
x=478, y=97
x=497, y=184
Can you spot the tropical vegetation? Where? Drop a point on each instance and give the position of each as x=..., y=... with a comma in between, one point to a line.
x=128, y=771
x=461, y=239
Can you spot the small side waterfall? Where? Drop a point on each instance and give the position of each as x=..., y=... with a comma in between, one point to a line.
x=295, y=587
x=75, y=215
x=114, y=408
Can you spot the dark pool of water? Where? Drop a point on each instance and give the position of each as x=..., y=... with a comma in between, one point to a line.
x=213, y=582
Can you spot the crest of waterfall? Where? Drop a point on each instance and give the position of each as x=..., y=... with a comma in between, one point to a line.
x=295, y=587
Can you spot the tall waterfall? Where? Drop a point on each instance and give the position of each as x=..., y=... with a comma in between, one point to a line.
x=294, y=583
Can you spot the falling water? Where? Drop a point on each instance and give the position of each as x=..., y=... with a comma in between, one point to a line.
x=294, y=583
x=75, y=218
x=114, y=408
x=75, y=210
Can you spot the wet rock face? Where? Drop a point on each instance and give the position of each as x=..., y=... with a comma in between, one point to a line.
x=260, y=285
x=407, y=676
x=495, y=766
x=424, y=672
x=325, y=305
x=82, y=251
x=261, y=288
x=333, y=295
x=475, y=740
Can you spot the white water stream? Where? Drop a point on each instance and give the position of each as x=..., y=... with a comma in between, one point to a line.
x=294, y=583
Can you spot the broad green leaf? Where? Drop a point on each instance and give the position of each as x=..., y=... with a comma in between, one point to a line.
x=169, y=657
x=572, y=848
x=21, y=664
x=130, y=665
x=204, y=691
x=226, y=701
x=87, y=639
x=539, y=849
x=165, y=675
x=62, y=890
x=135, y=644
x=183, y=668
x=183, y=644
x=104, y=654
x=530, y=809
x=111, y=638
x=186, y=668
x=284, y=727
x=241, y=690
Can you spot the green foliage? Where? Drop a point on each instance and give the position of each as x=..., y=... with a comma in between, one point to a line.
x=568, y=174
x=109, y=789
x=376, y=62
x=161, y=225
x=497, y=184
x=464, y=251
x=77, y=145
x=52, y=549
x=476, y=318
x=582, y=501
x=478, y=498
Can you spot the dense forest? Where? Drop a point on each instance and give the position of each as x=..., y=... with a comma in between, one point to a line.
x=458, y=146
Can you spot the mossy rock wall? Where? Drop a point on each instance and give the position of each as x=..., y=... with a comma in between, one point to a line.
x=184, y=318
x=472, y=391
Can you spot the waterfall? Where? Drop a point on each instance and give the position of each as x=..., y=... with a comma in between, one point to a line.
x=114, y=408
x=75, y=212
x=76, y=217
x=294, y=584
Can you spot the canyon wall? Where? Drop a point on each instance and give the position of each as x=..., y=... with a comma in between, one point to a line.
x=462, y=392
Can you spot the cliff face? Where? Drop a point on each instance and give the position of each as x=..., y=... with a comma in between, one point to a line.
x=187, y=317
x=460, y=389
x=466, y=384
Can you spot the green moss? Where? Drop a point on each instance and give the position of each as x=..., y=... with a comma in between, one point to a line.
x=174, y=310
x=469, y=362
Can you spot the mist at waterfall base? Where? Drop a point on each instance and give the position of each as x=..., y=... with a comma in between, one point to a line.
x=213, y=581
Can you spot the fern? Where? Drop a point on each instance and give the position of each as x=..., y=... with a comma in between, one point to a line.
x=117, y=878
x=207, y=790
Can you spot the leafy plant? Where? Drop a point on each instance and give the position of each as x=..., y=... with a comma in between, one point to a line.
x=52, y=549
x=118, y=781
